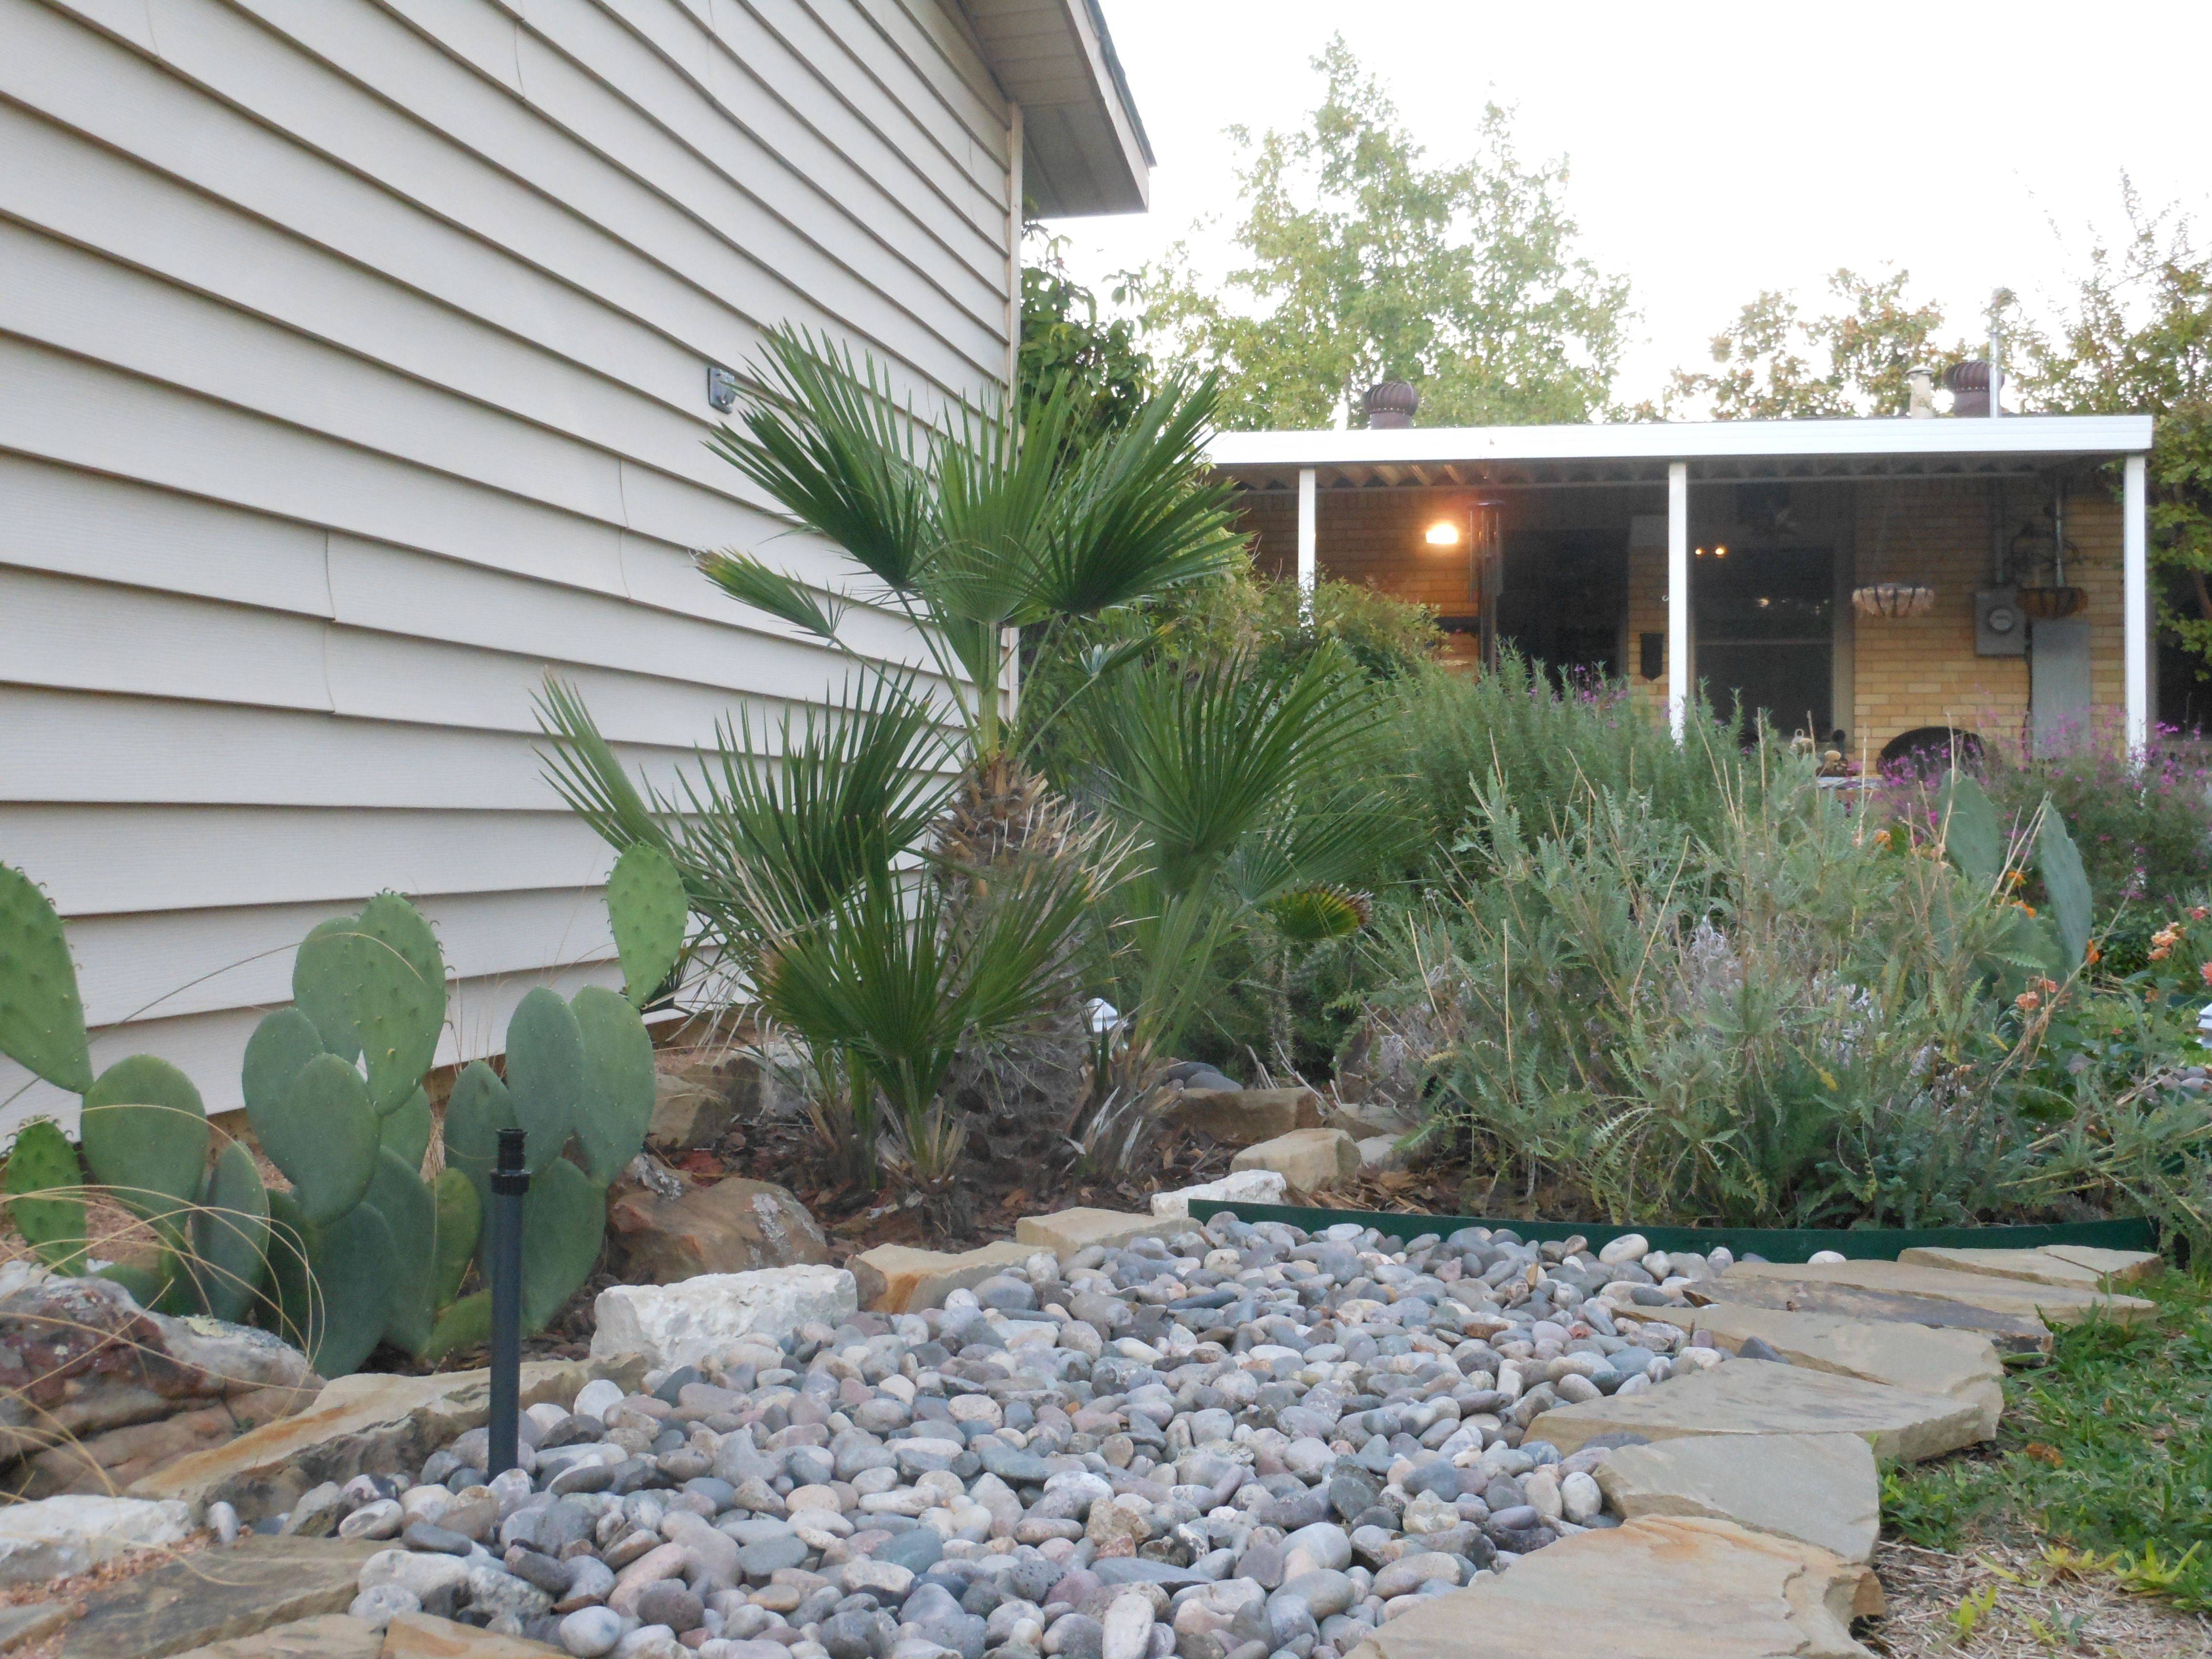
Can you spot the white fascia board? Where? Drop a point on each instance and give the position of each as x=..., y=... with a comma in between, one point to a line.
x=1687, y=441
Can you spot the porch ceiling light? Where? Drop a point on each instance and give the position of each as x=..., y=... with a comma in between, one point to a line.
x=1443, y=533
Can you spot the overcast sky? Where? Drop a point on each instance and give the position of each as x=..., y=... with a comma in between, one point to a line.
x=1718, y=148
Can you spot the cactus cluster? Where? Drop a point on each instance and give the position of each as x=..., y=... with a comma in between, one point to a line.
x=361, y=1248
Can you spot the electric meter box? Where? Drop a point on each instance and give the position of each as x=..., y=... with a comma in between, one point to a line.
x=1999, y=625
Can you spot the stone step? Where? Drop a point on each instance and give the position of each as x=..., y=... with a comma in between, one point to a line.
x=2055, y=1304
x=1660, y=1588
x=1957, y=1364
x=1758, y=1396
x=2054, y=1265
x=1822, y=1489
x=214, y=1594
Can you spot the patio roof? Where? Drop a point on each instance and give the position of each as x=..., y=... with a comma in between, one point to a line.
x=1457, y=457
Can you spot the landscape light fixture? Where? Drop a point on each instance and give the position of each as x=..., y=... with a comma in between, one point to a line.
x=1443, y=533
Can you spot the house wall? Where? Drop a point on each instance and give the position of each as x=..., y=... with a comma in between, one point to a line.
x=353, y=364
x=1894, y=674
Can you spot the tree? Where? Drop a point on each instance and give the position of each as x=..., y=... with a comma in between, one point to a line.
x=2135, y=338
x=1765, y=359
x=1065, y=346
x=1365, y=262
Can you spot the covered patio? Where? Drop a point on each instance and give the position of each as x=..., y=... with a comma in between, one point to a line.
x=1857, y=581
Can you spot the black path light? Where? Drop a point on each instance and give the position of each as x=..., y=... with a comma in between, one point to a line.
x=510, y=1179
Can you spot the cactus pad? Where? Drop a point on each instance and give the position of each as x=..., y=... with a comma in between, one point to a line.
x=380, y=979
x=230, y=1235
x=44, y=1199
x=1971, y=834
x=476, y=1110
x=287, y=1299
x=41, y=1016
x=153, y=1284
x=319, y=982
x=460, y=1218
x=564, y=1220
x=406, y=1133
x=544, y=1073
x=618, y=1081
x=284, y=1042
x=396, y=1193
x=2058, y=861
x=146, y=1138
x=325, y=1136
x=646, y=904
x=466, y=1324
x=349, y=1304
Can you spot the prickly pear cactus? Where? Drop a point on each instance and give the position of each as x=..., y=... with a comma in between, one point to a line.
x=1972, y=833
x=319, y=982
x=230, y=1235
x=146, y=1140
x=288, y=1296
x=460, y=1221
x=2058, y=861
x=616, y=1106
x=41, y=1016
x=375, y=983
x=44, y=1195
x=544, y=1074
x=406, y=1133
x=397, y=1195
x=476, y=1110
x=281, y=1044
x=564, y=1219
x=324, y=1135
x=646, y=904
x=350, y=1262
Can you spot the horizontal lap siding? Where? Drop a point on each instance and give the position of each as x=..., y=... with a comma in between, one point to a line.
x=352, y=369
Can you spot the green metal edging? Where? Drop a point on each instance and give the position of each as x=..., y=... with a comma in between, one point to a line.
x=1775, y=1244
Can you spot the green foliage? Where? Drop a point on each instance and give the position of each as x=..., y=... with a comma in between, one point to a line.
x=1362, y=261
x=230, y=1235
x=618, y=1082
x=2143, y=832
x=41, y=1016
x=646, y=904
x=324, y=1134
x=145, y=1136
x=1068, y=352
x=1969, y=828
x=44, y=1200
x=544, y=1074
x=1764, y=369
x=2059, y=864
x=2104, y=1452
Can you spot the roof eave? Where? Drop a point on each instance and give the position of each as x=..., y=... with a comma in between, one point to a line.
x=1084, y=149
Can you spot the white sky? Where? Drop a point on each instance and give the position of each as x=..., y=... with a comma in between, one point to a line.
x=1717, y=147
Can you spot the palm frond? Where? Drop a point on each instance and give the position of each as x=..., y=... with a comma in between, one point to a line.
x=749, y=581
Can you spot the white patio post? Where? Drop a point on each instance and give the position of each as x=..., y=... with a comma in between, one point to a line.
x=2135, y=602
x=1678, y=598
x=1309, y=560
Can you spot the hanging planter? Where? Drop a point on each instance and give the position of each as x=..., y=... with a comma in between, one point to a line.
x=1893, y=600
x=2050, y=603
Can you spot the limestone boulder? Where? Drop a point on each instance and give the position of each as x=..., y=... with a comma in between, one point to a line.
x=59, y=1537
x=1759, y=1397
x=216, y=1596
x=1959, y=1365
x=902, y=1278
x=686, y=1322
x=1245, y=1116
x=1309, y=1159
x=1238, y=1187
x=731, y=1227
x=1066, y=1231
x=366, y=1423
x=1660, y=1588
x=1823, y=1489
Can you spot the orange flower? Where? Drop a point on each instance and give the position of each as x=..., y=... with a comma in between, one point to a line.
x=2027, y=1002
x=2159, y=953
x=2095, y=955
x=2199, y=913
x=2205, y=973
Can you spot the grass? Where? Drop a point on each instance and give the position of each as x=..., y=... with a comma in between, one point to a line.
x=2103, y=1463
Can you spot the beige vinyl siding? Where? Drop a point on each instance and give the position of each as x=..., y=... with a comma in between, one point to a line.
x=353, y=360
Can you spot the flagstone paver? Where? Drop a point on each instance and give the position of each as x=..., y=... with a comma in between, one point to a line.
x=1960, y=1364
x=1822, y=1489
x=2055, y=1304
x=2046, y=1267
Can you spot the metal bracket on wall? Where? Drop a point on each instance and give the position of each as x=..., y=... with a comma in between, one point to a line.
x=721, y=387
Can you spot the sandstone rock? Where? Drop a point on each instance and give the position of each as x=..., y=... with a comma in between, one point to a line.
x=2011, y=1333
x=1310, y=1159
x=684, y=1323
x=900, y=1278
x=419, y=1636
x=1760, y=1397
x=1961, y=1365
x=1245, y=1117
x=117, y=1458
x=1655, y=1589
x=2119, y=1266
x=1821, y=1488
x=2042, y=1266
x=1067, y=1231
x=695, y=1107
x=215, y=1594
x=1238, y=1187
x=32, y=1621
x=734, y=1226
x=58, y=1537
x=368, y=1423
x=330, y=1636
x=78, y=1357
x=2055, y=1304
x=1380, y=1152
